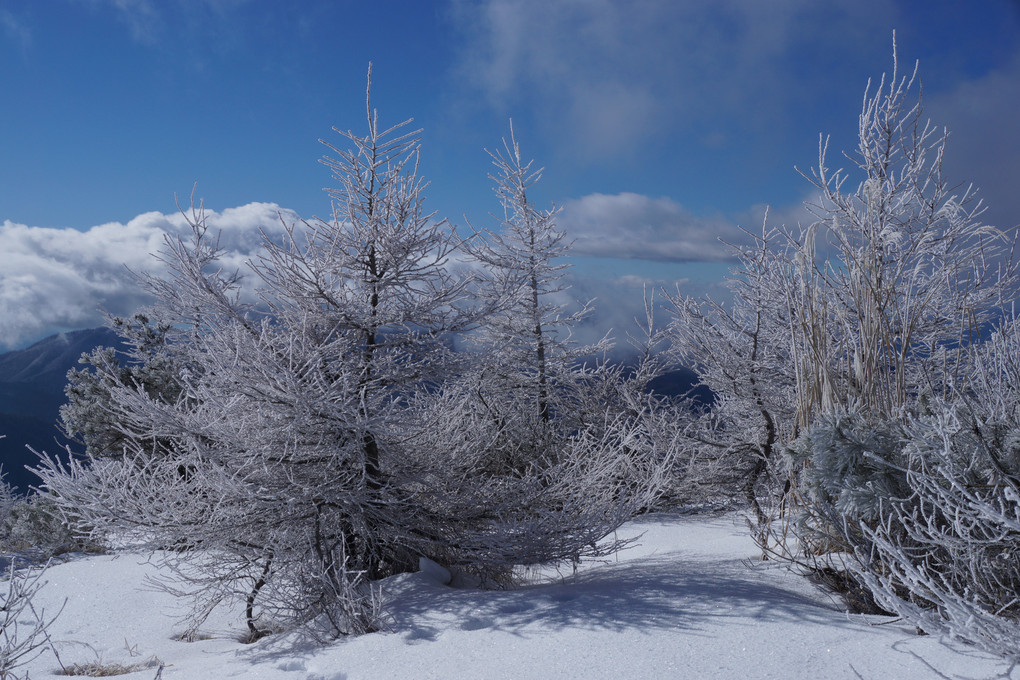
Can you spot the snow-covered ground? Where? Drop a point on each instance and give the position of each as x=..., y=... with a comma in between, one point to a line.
x=683, y=603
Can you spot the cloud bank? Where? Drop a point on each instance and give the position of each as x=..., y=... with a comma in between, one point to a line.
x=634, y=226
x=53, y=280
x=62, y=279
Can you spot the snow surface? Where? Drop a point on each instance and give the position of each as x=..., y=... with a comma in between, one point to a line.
x=688, y=601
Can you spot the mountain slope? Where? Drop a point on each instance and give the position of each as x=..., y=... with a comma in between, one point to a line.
x=31, y=392
x=42, y=368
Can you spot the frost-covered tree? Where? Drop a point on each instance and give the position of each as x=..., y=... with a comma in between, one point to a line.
x=235, y=478
x=280, y=468
x=557, y=447
x=913, y=277
x=540, y=393
x=913, y=482
x=376, y=273
x=740, y=353
x=871, y=307
x=528, y=339
x=314, y=442
x=845, y=330
x=144, y=360
x=525, y=376
x=913, y=283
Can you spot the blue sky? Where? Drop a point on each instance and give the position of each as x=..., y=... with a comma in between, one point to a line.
x=662, y=124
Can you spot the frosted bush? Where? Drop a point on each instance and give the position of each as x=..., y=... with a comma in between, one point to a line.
x=946, y=557
x=23, y=626
x=850, y=463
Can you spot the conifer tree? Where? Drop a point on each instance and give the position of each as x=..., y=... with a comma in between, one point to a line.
x=318, y=438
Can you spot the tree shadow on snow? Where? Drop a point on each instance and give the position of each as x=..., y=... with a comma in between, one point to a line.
x=656, y=594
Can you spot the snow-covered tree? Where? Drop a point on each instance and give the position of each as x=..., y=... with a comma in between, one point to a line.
x=873, y=305
x=528, y=339
x=318, y=439
x=554, y=440
x=145, y=360
x=916, y=277
x=915, y=283
x=280, y=467
x=845, y=331
x=741, y=354
x=526, y=376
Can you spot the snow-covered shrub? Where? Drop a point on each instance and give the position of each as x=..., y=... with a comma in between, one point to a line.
x=23, y=627
x=945, y=555
x=508, y=498
x=850, y=463
x=868, y=310
x=250, y=485
x=842, y=473
x=31, y=526
x=741, y=353
x=924, y=515
x=23, y=634
x=922, y=519
x=146, y=362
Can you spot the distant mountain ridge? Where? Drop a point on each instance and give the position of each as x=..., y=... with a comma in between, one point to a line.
x=45, y=364
x=32, y=384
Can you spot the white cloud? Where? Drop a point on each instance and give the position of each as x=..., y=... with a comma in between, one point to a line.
x=634, y=226
x=61, y=279
x=984, y=142
x=605, y=75
x=636, y=281
x=53, y=280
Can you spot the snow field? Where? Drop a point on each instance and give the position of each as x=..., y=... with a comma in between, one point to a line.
x=687, y=601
